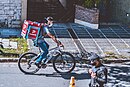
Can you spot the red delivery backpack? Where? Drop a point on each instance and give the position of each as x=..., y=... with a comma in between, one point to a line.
x=31, y=30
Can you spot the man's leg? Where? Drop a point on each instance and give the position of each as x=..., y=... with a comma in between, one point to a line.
x=44, y=46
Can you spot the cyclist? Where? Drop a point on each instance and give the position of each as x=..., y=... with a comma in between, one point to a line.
x=42, y=43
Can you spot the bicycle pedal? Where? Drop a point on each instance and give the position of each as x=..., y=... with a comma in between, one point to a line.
x=38, y=65
x=43, y=65
x=28, y=66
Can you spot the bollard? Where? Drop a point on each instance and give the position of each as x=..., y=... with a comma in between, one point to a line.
x=72, y=82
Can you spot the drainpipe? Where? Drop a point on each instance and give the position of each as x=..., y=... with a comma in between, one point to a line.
x=63, y=2
x=24, y=10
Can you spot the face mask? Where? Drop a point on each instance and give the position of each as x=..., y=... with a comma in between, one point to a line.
x=50, y=25
x=93, y=62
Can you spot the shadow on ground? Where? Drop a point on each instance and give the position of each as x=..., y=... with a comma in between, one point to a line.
x=67, y=76
x=119, y=75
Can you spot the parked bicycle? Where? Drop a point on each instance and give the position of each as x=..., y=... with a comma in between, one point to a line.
x=83, y=61
x=63, y=62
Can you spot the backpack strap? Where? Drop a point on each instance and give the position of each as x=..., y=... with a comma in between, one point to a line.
x=36, y=40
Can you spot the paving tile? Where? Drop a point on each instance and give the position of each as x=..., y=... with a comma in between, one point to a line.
x=118, y=38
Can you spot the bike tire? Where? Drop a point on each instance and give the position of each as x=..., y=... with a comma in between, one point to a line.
x=24, y=60
x=1, y=52
x=67, y=58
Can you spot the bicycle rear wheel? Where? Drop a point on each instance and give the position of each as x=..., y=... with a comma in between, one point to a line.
x=26, y=63
x=64, y=63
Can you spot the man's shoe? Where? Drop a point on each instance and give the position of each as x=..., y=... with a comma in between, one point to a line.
x=38, y=65
x=43, y=65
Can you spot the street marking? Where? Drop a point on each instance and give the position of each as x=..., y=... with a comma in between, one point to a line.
x=71, y=38
x=120, y=37
x=124, y=29
x=94, y=41
x=74, y=42
x=79, y=40
x=82, y=48
x=110, y=42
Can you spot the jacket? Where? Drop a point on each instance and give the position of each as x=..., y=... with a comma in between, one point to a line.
x=101, y=76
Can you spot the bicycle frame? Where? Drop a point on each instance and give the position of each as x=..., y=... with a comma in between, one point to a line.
x=64, y=66
x=84, y=61
x=52, y=52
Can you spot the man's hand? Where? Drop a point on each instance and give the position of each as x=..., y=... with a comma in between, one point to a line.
x=60, y=44
x=90, y=71
x=93, y=75
x=54, y=39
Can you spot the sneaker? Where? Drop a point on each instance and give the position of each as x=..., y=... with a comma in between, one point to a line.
x=38, y=65
x=43, y=65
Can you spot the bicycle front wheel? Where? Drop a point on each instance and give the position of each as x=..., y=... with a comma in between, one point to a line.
x=64, y=63
x=26, y=63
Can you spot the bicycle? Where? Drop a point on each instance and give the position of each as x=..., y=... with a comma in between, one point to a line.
x=83, y=60
x=63, y=62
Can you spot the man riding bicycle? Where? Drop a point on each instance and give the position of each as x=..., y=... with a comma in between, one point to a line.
x=42, y=43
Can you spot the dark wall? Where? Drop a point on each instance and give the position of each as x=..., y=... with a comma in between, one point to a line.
x=116, y=11
x=104, y=11
x=121, y=11
x=38, y=9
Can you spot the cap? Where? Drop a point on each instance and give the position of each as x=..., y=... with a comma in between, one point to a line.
x=49, y=18
x=93, y=56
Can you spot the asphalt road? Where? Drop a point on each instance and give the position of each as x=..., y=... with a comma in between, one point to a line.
x=11, y=76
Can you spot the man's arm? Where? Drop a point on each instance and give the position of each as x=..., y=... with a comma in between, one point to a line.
x=51, y=36
x=103, y=76
x=54, y=39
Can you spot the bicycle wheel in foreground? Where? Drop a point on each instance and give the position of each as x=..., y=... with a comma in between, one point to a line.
x=26, y=63
x=64, y=63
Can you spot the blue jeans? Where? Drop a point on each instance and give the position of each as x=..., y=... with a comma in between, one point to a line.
x=44, y=47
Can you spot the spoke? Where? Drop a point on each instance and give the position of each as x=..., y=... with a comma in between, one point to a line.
x=26, y=63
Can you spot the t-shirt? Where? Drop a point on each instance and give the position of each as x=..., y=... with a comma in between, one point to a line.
x=43, y=32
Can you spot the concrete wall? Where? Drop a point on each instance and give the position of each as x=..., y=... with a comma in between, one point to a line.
x=121, y=11
x=10, y=13
x=10, y=32
x=87, y=17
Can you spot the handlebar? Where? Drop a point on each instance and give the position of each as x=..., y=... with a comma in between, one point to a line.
x=60, y=44
x=57, y=47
